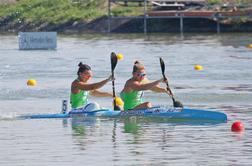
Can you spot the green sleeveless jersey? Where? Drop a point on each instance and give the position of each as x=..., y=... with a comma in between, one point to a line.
x=132, y=99
x=78, y=100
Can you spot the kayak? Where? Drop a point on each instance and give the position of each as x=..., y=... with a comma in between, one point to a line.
x=154, y=112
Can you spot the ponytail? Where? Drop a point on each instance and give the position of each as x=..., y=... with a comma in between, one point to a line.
x=83, y=67
x=138, y=66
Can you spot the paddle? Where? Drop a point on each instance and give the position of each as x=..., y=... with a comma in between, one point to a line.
x=113, y=59
x=175, y=103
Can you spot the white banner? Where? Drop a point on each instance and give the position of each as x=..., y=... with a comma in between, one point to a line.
x=37, y=40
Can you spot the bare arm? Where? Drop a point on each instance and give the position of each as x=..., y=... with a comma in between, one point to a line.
x=84, y=86
x=156, y=88
x=98, y=93
x=138, y=86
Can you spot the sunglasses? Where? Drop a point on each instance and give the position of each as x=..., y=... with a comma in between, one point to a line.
x=141, y=74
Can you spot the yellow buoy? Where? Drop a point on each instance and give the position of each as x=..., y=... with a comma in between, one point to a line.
x=119, y=56
x=31, y=82
x=250, y=46
x=119, y=101
x=198, y=67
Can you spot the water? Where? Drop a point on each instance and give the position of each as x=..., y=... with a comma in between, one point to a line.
x=225, y=84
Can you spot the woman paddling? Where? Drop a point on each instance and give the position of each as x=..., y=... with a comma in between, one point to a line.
x=133, y=89
x=81, y=88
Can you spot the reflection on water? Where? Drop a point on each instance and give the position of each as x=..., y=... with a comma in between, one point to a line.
x=147, y=139
x=131, y=125
x=78, y=123
x=84, y=127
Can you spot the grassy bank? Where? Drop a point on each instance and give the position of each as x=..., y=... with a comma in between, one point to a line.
x=70, y=15
x=53, y=11
x=60, y=11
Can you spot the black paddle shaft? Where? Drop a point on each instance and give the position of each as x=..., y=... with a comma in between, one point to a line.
x=113, y=59
x=163, y=73
x=175, y=103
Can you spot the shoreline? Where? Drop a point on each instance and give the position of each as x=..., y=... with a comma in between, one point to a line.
x=128, y=25
x=22, y=16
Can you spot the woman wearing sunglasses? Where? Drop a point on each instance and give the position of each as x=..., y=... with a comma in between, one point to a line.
x=81, y=88
x=133, y=89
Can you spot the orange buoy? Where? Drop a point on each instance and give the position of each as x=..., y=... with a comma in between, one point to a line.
x=237, y=126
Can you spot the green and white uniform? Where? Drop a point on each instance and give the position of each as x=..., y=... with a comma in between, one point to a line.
x=132, y=99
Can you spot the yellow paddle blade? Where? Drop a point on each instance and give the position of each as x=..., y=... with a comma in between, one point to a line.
x=119, y=101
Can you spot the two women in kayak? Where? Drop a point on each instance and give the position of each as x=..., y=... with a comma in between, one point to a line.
x=131, y=94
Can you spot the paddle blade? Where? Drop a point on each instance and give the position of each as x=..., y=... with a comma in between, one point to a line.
x=177, y=103
x=113, y=59
x=162, y=65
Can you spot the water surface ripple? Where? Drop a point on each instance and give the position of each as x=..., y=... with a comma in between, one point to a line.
x=225, y=85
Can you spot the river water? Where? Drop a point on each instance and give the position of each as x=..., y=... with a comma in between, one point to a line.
x=224, y=84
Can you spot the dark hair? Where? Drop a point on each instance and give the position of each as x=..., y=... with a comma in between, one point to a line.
x=82, y=68
x=137, y=66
